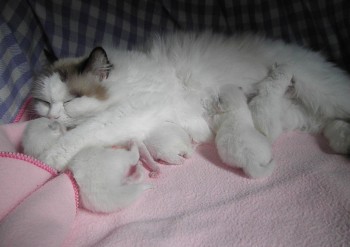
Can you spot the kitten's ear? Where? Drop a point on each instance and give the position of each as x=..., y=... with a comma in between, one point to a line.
x=97, y=63
x=50, y=56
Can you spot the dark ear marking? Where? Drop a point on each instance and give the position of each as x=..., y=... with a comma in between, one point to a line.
x=97, y=63
x=50, y=56
x=63, y=74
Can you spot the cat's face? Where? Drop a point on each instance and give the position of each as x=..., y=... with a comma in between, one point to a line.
x=64, y=90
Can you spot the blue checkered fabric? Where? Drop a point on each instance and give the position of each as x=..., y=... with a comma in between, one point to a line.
x=71, y=28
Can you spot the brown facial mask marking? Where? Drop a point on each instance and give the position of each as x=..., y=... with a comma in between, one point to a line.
x=83, y=76
x=84, y=85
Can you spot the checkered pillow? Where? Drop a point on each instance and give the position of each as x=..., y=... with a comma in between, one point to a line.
x=71, y=28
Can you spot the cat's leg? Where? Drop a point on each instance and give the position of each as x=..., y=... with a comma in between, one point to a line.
x=169, y=143
x=338, y=134
x=104, y=130
x=266, y=106
x=239, y=144
x=171, y=153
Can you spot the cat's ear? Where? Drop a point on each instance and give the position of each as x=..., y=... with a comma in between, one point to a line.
x=50, y=56
x=97, y=63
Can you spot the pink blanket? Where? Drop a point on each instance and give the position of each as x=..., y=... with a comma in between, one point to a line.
x=306, y=202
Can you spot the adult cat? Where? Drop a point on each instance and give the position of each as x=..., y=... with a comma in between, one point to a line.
x=114, y=95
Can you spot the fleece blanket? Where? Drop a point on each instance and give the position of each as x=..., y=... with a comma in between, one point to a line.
x=306, y=202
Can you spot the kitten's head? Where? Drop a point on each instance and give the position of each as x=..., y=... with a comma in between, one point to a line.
x=64, y=80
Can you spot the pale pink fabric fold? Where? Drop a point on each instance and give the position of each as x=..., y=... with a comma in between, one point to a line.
x=37, y=206
x=42, y=219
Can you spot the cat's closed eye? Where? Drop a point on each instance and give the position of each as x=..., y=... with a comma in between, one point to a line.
x=42, y=101
x=67, y=101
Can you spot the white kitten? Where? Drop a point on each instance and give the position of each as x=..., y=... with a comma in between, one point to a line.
x=266, y=107
x=102, y=174
x=239, y=143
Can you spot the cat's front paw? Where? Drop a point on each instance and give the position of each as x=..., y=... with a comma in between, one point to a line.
x=55, y=158
x=174, y=155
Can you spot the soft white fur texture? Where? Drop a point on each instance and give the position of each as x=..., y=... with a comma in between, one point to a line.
x=266, y=107
x=40, y=134
x=338, y=134
x=102, y=174
x=239, y=143
x=169, y=143
x=178, y=74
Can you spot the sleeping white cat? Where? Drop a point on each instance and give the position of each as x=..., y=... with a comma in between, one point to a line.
x=115, y=95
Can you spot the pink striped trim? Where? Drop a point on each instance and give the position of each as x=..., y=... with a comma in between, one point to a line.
x=75, y=187
x=22, y=110
x=29, y=159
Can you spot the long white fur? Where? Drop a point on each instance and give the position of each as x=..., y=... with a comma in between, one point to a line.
x=266, y=107
x=40, y=134
x=174, y=78
x=338, y=132
x=239, y=143
x=101, y=173
x=169, y=143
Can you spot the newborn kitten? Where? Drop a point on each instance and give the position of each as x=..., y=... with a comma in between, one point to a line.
x=102, y=174
x=267, y=106
x=236, y=135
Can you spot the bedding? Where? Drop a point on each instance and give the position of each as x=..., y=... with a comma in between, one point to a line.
x=306, y=202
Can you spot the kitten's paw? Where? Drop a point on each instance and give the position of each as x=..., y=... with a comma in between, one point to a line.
x=154, y=174
x=55, y=159
x=338, y=134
